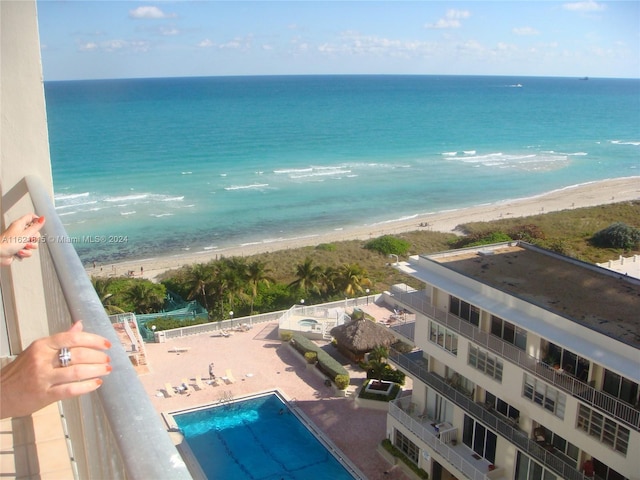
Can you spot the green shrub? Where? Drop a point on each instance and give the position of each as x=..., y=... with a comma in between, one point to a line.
x=169, y=323
x=311, y=357
x=330, y=366
x=617, y=235
x=326, y=247
x=388, y=244
x=395, y=390
x=342, y=381
x=302, y=344
x=389, y=447
x=388, y=375
x=286, y=336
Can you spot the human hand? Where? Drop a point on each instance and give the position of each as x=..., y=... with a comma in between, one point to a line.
x=20, y=238
x=36, y=377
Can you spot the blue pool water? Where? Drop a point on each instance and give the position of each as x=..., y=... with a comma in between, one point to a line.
x=308, y=322
x=258, y=438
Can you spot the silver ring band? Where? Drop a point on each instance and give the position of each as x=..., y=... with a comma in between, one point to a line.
x=64, y=356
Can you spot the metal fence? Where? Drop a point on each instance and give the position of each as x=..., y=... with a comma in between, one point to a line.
x=115, y=431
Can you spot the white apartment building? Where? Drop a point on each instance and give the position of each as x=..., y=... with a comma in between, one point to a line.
x=526, y=366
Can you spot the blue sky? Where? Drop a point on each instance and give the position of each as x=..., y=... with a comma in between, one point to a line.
x=127, y=39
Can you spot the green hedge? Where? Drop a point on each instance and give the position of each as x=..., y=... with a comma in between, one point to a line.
x=326, y=363
x=393, y=450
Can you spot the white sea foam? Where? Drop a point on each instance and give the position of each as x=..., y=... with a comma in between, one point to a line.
x=159, y=215
x=128, y=213
x=245, y=187
x=70, y=196
x=621, y=142
x=449, y=154
x=74, y=205
x=186, y=173
x=469, y=152
x=292, y=170
x=127, y=198
x=172, y=199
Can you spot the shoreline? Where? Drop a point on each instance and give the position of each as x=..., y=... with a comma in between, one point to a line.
x=588, y=194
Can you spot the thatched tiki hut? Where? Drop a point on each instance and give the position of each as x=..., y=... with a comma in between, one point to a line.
x=358, y=337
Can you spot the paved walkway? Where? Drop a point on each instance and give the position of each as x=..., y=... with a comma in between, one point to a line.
x=259, y=362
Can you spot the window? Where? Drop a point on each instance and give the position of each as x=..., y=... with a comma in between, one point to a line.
x=620, y=387
x=509, y=332
x=607, y=431
x=406, y=446
x=527, y=469
x=570, y=363
x=464, y=310
x=478, y=438
x=500, y=406
x=547, y=397
x=485, y=362
x=439, y=408
x=606, y=472
x=459, y=382
x=443, y=337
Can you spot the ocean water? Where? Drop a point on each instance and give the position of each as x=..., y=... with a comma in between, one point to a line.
x=175, y=165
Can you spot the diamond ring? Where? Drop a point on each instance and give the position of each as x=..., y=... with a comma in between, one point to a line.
x=64, y=356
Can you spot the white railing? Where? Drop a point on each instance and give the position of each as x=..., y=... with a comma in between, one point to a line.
x=115, y=432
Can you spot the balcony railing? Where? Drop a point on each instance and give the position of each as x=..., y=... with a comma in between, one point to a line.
x=428, y=435
x=595, y=398
x=115, y=431
x=490, y=419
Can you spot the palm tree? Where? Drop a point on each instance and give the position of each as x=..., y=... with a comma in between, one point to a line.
x=146, y=296
x=198, y=279
x=352, y=278
x=232, y=275
x=379, y=353
x=309, y=277
x=257, y=274
x=101, y=286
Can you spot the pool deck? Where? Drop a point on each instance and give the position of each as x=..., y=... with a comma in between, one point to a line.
x=258, y=361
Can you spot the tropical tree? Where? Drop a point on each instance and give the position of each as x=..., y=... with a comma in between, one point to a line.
x=379, y=353
x=309, y=277
x=257, y=274
x=101, y=286
x=231, y=280
x=352, y=279
x=199, y=278
x=147, y=297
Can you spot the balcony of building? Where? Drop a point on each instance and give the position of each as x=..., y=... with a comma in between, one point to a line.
x=414, y=364
x=608, y=404
x=443, y=439
x=111, y=433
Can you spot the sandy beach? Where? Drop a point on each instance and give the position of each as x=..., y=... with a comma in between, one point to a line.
x=584, y=195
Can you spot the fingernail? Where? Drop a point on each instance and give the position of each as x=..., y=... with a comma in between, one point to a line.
x=108, y=359
x=109, y=368
x=107, y=344
x=98, y=381
x=41, y=219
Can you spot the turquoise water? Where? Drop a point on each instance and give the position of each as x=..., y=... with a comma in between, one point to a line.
x=255, y=439
x=194, y=164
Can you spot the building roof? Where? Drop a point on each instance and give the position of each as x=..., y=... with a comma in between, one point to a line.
x=605, y=301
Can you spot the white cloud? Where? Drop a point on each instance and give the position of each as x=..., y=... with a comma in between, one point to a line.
x=149, y=12
x=587, y=6
x=450, y=20
x=206, y=43
x=354, y=43
x=169, y=31
x=525, y=31
x=115, y=45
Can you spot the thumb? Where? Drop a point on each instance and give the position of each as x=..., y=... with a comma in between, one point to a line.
x=76, y=327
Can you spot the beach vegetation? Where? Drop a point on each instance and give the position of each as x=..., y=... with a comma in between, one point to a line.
x=617, y=235
x=326, y=247
x=388, y=245
x=169, y=323
x=102, y=288
x=478, y=239
x=257, y=273
x=324, y=274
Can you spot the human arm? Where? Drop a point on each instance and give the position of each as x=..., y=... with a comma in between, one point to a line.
x=20, y=238
x=36, y=378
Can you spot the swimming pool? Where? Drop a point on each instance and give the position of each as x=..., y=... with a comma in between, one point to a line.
x=308, y=322
x=256, y=438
